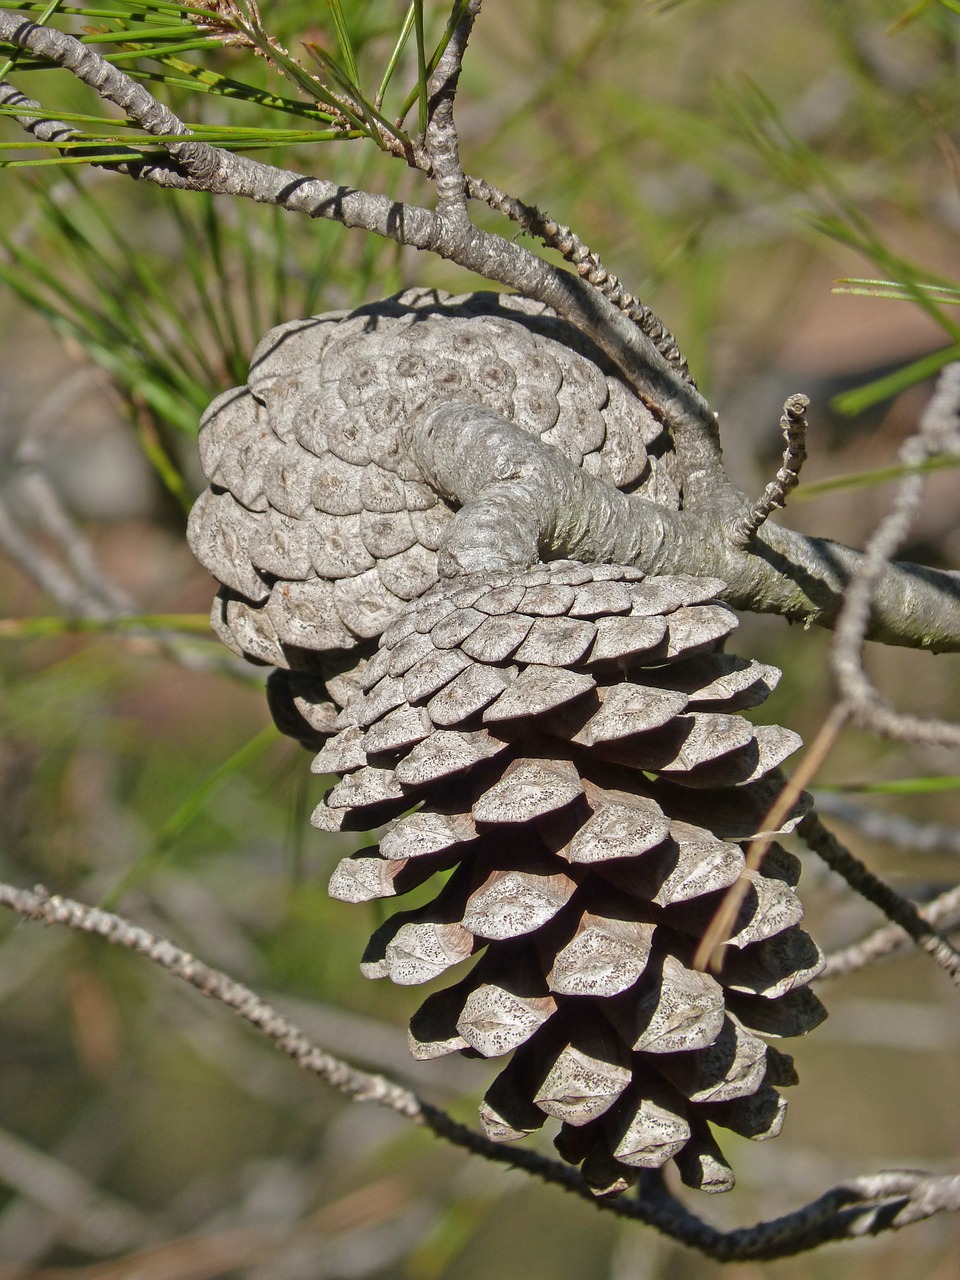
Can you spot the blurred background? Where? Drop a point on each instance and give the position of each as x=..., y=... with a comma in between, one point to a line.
x=731, y=162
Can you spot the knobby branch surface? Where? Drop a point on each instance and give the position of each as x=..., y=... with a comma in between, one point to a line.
x=587, y=262
x=793, y=426
x=440, y=140
x=863, y=1206
x=37, y=904
x=45, y=129
x=510, y=512
x=800, y=578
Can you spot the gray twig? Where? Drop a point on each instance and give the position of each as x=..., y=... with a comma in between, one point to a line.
x=80, y=587
x=38, y=904
x=799, y=578
x=554, y=235
x=943, y=913
x=47, y=508
x=939, y=432
x=793, y=425
x=901, y=911
x=864, y=1206
x=587, y=262
x=440, y=140
x=37, y=122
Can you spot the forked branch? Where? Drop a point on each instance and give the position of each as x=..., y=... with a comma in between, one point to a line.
x=498, y=480
x=943, y=914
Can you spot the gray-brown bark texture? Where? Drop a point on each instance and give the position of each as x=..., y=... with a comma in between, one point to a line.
x=436, y=518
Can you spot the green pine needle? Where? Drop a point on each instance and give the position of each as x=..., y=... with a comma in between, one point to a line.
x=850, y=403
x=898, y=787
x=868, y=479
x=187, y=812
x=394, y=60
x=345, y=44
x=948, y=294
x=421, y=66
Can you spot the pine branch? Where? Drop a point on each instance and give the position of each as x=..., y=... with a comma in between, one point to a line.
x=37, y=904
x=513, y=501
x=800, y=578
x=586, y=261
x=440, y=141
x=793, y=426
x=196, y=165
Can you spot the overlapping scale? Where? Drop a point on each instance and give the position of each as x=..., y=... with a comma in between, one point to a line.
x=564, y=744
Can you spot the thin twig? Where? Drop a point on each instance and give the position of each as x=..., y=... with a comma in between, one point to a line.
x=440, y=140
x=588, y=265
x=798, y=577
x=939, y=432
x=47, y=508
x=793, y=425
x=46, y=129
x=893, y=905
x=196, y=165
x=551, y=233
x=943, y=913
x=86, y=595
x=37, y=904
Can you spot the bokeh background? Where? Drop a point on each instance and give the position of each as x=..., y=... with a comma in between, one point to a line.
x=730, y=161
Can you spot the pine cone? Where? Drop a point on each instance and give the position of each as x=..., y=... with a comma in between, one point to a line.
x=563, y=736
x=318, y=526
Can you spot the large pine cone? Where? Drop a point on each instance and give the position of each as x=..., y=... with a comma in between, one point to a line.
x=566, y=736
